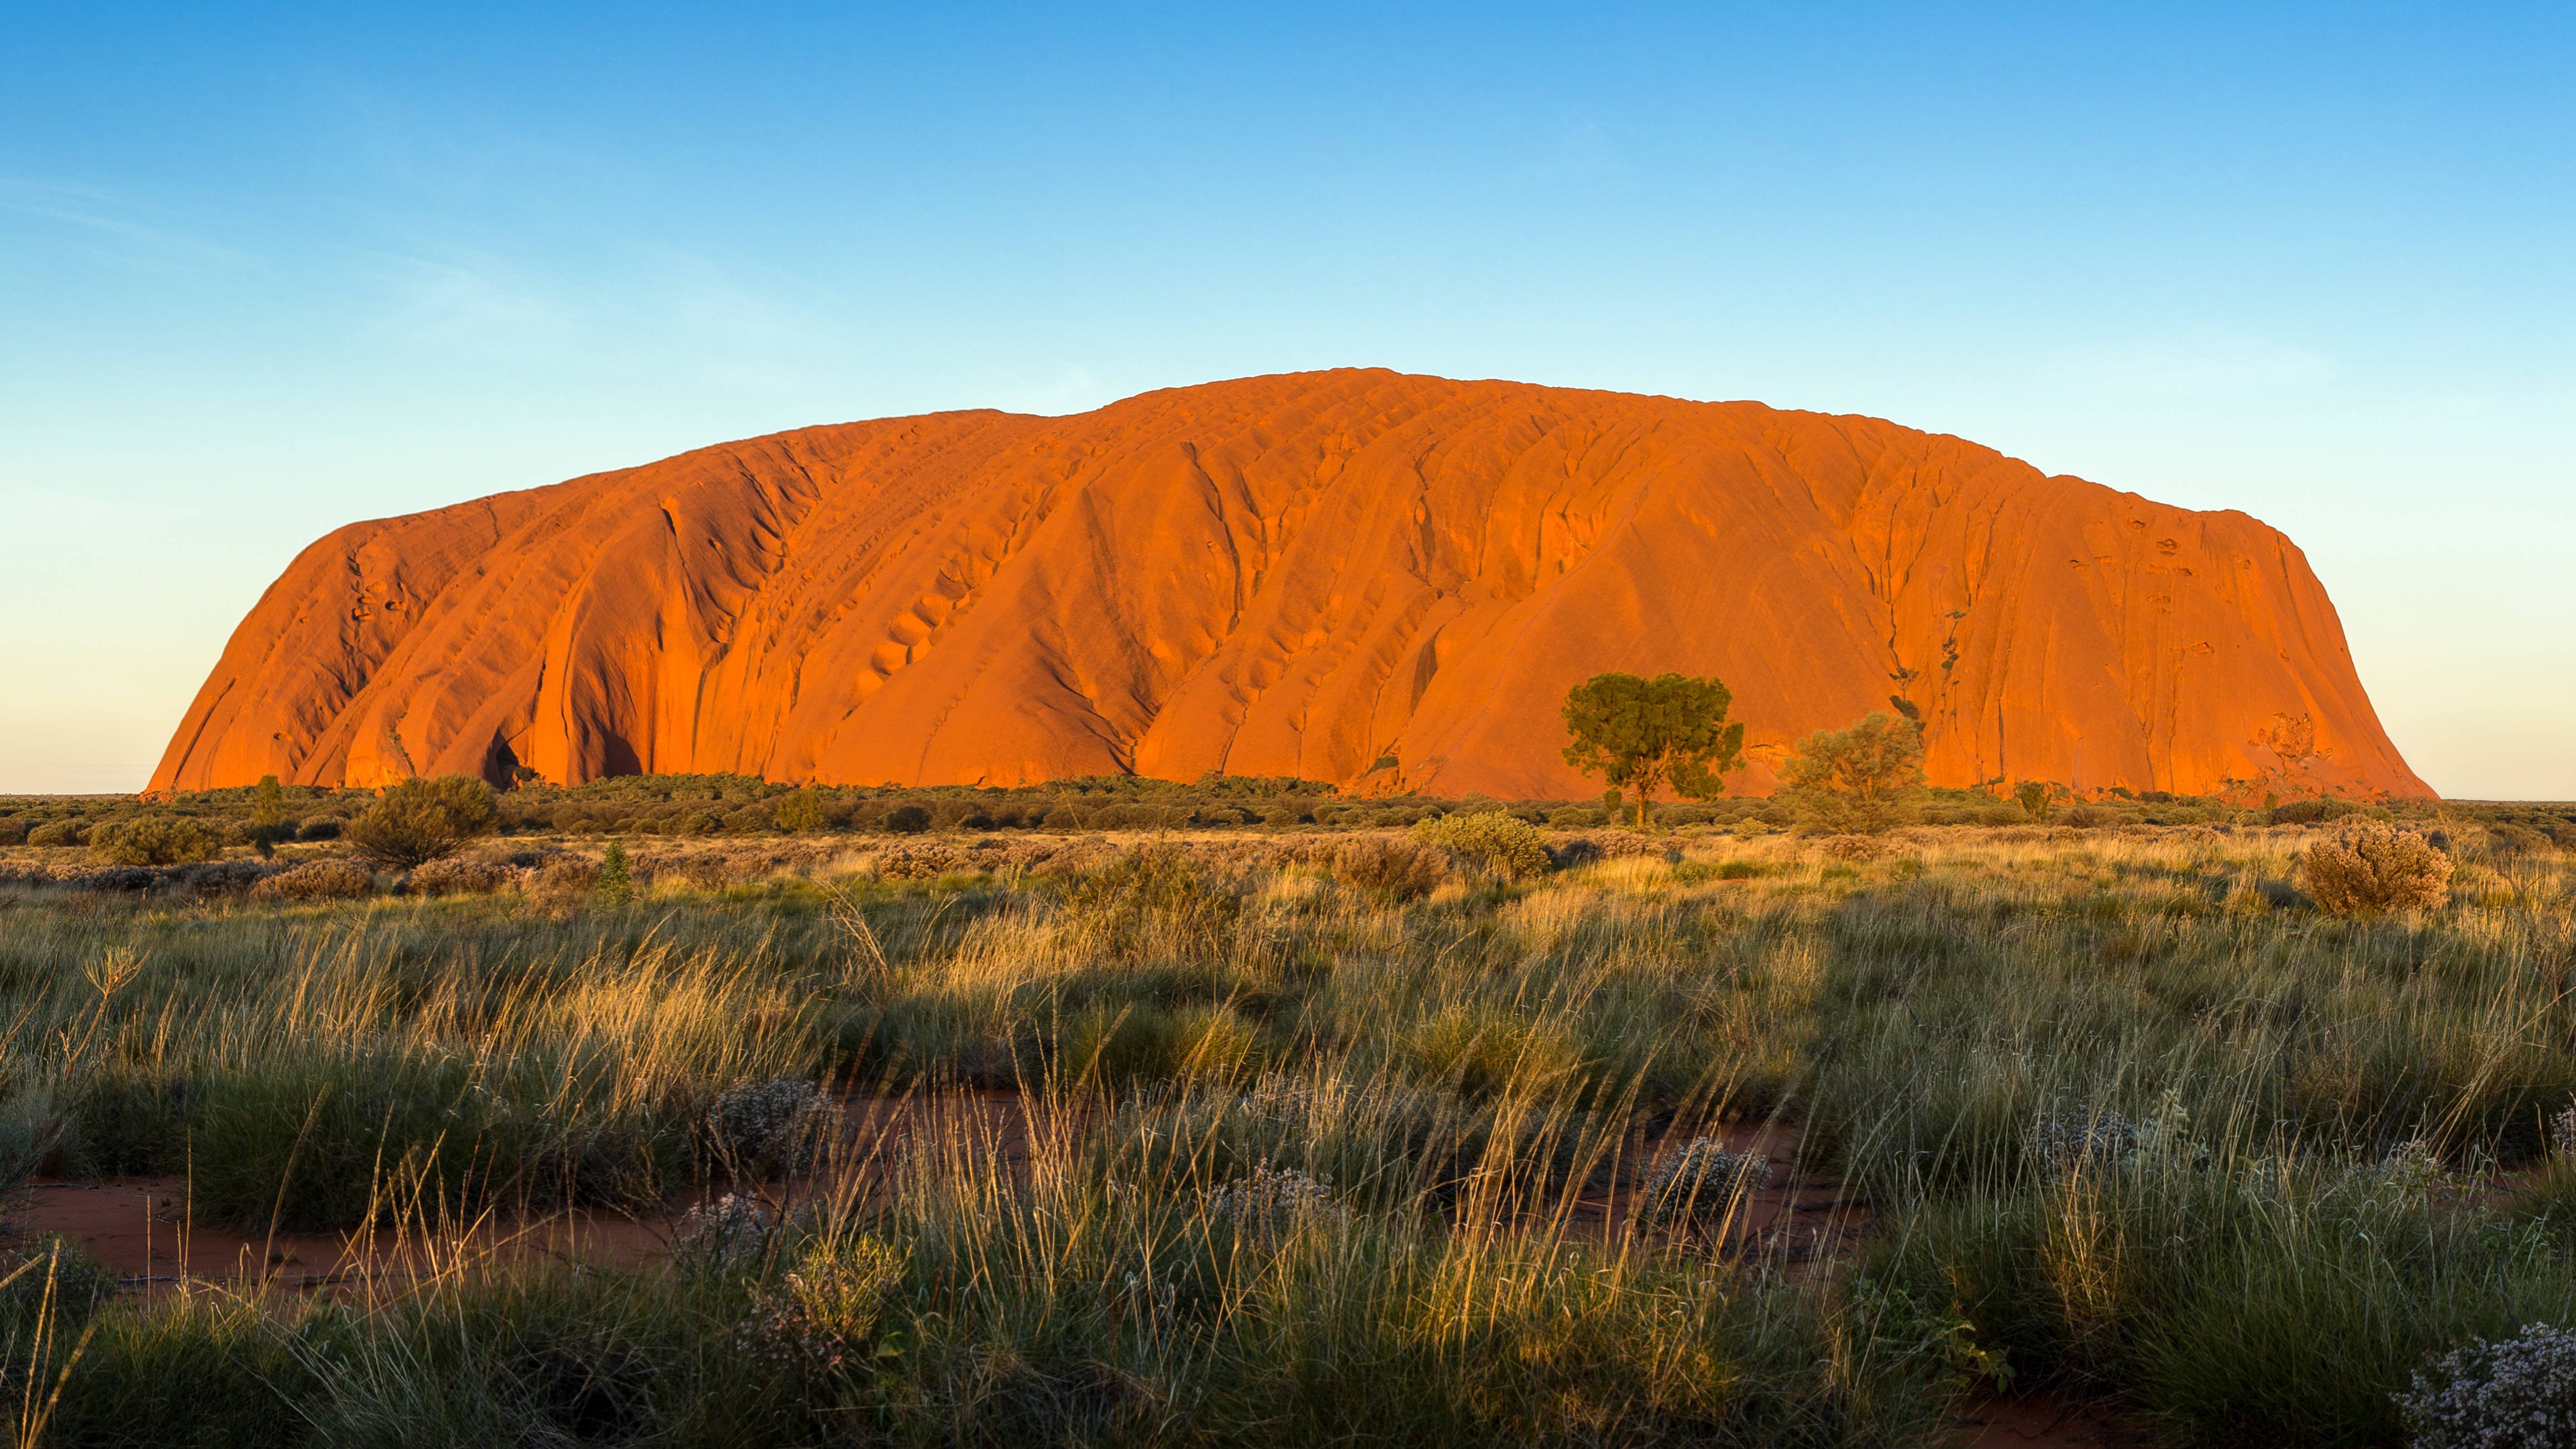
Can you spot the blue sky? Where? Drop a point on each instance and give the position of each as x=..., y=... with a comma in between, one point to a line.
x=264, y=270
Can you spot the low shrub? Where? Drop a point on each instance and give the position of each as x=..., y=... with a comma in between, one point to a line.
x=420, y=820
x=66, y=831
x=560, y=877
x=53, y=1276
x=760, y=1129
x=317, y=880
x=1391, y=866
x=319, y=827
x=730, y=1233
x=2519, y=1392
x=2310, y=812
x=799, y=812
x=158, y=840
x=2371, y=866
x=1490, y=842
x=454, y=877
x=2512, y=841
x=907, y=820
x=1704, y=1179
x=825, y=1314
x=1270, y=1194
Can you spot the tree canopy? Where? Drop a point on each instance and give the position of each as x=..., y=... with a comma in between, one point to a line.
x=1862, y=779
x=1642, y=735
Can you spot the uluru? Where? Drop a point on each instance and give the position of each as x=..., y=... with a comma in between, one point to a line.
x=1379, y=580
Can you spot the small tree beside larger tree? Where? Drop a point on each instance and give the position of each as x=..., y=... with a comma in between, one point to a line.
x=1862, y=779
x=1643, y=735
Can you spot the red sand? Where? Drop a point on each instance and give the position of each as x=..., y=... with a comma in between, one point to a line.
x=137, y=1228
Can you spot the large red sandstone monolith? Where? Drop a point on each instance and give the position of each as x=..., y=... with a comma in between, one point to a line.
x=1357, y=576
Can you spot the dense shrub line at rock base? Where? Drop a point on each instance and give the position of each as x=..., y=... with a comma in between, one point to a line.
x=739, y=805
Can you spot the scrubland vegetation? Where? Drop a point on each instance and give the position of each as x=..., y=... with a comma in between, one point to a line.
x=1492, y=1129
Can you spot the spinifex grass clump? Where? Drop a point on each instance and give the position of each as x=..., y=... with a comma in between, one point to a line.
x=2276, y=1297
x=1392, y=865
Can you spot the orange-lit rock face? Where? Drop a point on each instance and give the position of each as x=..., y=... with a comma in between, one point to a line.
x=1354, y=576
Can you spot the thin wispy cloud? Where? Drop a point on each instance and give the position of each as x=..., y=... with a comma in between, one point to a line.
x=2204, y=364
x=114, y=225
x=473, y=304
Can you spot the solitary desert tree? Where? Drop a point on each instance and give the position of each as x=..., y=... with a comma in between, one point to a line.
x=1862, y=779
x=268, y=816
x=1641, y=735
x=2037, y=798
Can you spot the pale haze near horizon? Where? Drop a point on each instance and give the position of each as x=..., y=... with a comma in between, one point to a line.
x=265, y=274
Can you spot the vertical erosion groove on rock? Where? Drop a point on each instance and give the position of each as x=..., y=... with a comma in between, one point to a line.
x=1380, y=580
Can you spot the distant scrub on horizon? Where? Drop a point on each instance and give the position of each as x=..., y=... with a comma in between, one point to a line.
x=743, y=805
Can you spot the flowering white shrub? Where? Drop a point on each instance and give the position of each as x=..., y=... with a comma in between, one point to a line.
x=1271, y=1193
x=2516, y=1394
x=728, y=1232
x=824, y=1314
x=2082, y=1136
x=1704, y=1177
x=768, y=1126
x=2413, y=1166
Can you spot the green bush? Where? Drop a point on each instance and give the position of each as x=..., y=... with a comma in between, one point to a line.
x=157, y=840
x=1861, y=780
x=66, y=831
x=316, y=880
x=2035, y=800
x=420, y=820
x=907, y=820
x=2312, y=812
x=1492, y=842
x=800, y=812
x=50, y=1275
